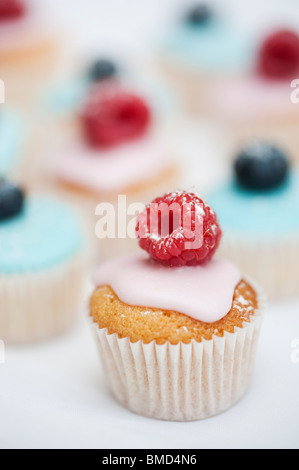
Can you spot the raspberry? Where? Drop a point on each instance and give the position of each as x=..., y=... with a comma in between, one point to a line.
x=179, y=229
x=112, y=116
x=10, y=9
x=279, y=56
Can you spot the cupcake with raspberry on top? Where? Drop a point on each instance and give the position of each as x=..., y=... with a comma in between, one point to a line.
x=116, y=149
x=258, y=105
x=29, y=49
x=177, y=327
x=258, y=210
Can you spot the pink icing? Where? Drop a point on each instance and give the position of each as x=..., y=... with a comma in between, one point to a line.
x=252, y=97
x=204, y=293
x=27, y=30
x=109, y=170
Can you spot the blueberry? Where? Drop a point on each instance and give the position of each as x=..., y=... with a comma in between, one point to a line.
x=102, y=69
x=199, y=15
x=261, y=166
x=11, y=200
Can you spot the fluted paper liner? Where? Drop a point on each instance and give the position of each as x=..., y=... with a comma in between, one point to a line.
x=41, y=304
x=181, y=382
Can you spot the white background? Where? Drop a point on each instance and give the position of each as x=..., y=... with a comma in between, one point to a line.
x=53, y=395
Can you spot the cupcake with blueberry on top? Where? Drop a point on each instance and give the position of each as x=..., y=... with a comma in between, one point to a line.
x=258, y=210
x=42, y=266
x=203, y=47
x=258, y=105
x=177, y=327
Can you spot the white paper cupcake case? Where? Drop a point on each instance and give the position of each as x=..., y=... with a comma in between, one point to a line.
x=273, y=263
x=181, y=382
x=40, y=305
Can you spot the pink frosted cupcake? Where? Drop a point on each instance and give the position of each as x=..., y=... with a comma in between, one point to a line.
x=177, y=330
x=115, y=149
x=258, y=105
x=29, y=49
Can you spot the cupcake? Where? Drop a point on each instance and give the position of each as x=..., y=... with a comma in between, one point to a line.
x=42, y=266
x=203, y=47
x=177, y=328
x=28, y=49
x=258, y=210
x=12, y=139
x=116, y=148
x=258, y=105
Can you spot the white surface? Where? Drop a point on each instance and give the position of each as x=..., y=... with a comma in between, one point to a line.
x=53, y=395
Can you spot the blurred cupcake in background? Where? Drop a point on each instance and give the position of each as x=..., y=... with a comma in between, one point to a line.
x=115, y=146
x=43, y=262
x=29, y=49
x=201, y=47
x=259, y=104
x=258, y=211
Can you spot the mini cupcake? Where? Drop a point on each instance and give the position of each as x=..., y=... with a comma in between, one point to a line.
x=177, y=330
x=203, y=46
x=117, y=148
x=28, y=49
x=12, y=139
x=42, y=266
x=258, y=211
x=258, y=105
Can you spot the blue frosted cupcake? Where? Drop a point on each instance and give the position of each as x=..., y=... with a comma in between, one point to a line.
x=42, y=266
x=258, y=211
x=201, y=47
x=12, y=136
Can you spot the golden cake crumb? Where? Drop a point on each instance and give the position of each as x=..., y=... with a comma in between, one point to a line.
x=148, y=324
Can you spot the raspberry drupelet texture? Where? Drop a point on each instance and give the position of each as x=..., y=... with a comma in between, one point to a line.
x=279, y=55
x=112, y=116
x=179, y=229
x=11, y=9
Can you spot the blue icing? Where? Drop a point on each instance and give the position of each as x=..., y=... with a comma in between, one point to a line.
x=11, y=140
x=270, y=214
x=46, y=233
x=210, y=47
